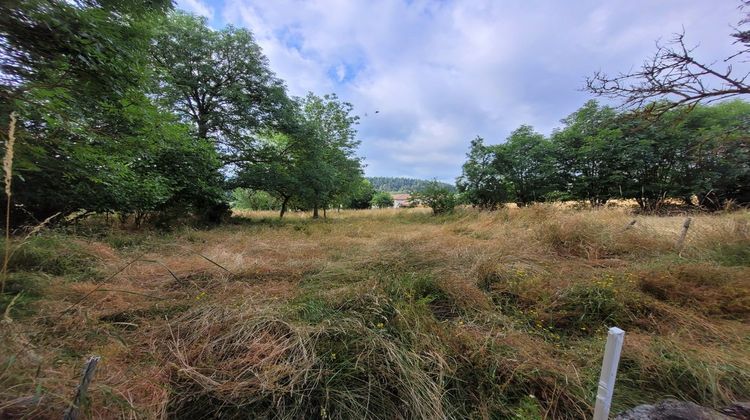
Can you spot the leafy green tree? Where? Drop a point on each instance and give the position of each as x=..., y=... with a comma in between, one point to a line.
x=219, y=82
x=526, y=161
x=89, y=138
x=243, y=198
x=600, y=154
x=650, y=157
x=701, y=153
x=382, y=200
x=481, y=184
x=277, y=169
x=586, y=153
x=145, y=164
x=440, y=199
x=717, y=169
x=314, y=165
x=329, y=161
x=73, y=51
x=359, y=196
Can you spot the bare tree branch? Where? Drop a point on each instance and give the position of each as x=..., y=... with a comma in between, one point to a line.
x=673, y=74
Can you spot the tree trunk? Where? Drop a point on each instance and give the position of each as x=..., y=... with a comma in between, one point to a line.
x=315, y=211
x=202, y=129
x=138, y=219
x=283, y=207
x=325, y=216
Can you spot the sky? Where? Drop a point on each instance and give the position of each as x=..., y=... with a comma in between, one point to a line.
x=426, y=77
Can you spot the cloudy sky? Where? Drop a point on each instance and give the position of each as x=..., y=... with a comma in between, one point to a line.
x=428, y=76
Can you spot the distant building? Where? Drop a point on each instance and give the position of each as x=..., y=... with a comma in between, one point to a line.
x=401, y=200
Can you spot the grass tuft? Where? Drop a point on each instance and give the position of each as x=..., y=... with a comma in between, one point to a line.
x=379, y=314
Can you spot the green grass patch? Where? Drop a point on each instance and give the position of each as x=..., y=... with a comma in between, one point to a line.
x=734, y=254
x=54, y=255
x=25, y=288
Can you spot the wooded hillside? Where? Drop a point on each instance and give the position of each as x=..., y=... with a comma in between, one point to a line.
x=403, y=185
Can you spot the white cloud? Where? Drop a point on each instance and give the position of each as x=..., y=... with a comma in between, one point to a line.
x=197, y=7
x=440, y=73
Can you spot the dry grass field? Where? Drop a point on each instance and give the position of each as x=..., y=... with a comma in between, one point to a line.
x=379, y=314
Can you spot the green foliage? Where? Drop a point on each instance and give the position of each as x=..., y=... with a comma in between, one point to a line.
x=83, y=51
x=527, y=162
x=151, y=108
x=382, y=200
x=90, y=139
x=143, y=164
x=717, y=169
x=313, y=166
x=481, y=183
x=218, y=81
x=329, y=164
x=243, y=198
x=360, y=196
x=440, y=199
x=401, y=185
x=600, y=154
x=49, y=254
x=586, y=150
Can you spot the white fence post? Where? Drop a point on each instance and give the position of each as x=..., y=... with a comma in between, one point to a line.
x=609, y=372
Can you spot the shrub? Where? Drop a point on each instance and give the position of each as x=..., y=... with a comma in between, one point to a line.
x=382, y=200
x=244, y=198
x=438, y=197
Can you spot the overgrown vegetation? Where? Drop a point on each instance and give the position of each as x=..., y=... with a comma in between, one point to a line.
x=402, y=185
x=696, y=157
x=437, y=197
x=128, y=117
x=141, y=112
x=469, y=314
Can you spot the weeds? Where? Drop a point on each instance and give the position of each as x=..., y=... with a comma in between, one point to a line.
x=381, y=314
x=52, y=255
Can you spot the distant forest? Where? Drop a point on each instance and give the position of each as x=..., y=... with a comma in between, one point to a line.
x=402, y=185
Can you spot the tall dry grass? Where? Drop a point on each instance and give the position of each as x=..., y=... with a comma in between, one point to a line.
x=374, y=314
x=8, y=182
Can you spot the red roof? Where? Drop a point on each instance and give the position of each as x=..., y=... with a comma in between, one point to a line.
x=401, y=197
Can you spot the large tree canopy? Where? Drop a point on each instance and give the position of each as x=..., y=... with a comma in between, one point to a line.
x=527, y=161
x=125, y=107
x=481, y=183
x=314, y=164
x=89, y=139
x=219, y=82
x=74, y=49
